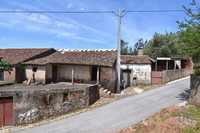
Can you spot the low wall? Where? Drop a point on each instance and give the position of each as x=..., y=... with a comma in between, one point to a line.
x=170, y=75
x=33, y=105
x=159, y=77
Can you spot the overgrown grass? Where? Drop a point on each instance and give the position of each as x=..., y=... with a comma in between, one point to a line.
x=191, y=112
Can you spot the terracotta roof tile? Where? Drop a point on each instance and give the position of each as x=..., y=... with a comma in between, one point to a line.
x=131, y=59
x=15, y=56
x=102, y=58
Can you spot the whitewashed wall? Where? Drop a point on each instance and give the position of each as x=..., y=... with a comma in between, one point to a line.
x=40, y=74
x=142, y=72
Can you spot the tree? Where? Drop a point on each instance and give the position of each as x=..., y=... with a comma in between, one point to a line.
x=163, y=45
x=190, y=32
x=125, y=49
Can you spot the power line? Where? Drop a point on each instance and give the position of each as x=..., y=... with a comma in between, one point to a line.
x=88, y=12
x=54, y=12
x=154, y=11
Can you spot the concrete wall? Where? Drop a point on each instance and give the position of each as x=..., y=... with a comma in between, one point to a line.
x=108, y=78
x=82, y=73
x=40, y=74
x=142, y=72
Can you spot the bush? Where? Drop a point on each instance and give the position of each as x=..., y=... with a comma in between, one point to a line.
x=197, y=69
x=4, y=65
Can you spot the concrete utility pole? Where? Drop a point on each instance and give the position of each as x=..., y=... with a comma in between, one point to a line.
x=119, y=14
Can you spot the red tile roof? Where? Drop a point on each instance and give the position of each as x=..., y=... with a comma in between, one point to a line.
x=102, y=58
x=134, y=59
x=15, y=56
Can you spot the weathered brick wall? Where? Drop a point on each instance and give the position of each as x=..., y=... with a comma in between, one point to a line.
x=33, y=105
x=159, y=77
x=171, y=75
x=156, y=77
x=108, y=78
x=9, y=75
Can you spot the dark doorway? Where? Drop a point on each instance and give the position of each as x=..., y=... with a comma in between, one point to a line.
x=94, y=73
x=6, y=111
x=54, y=73
x=1, y=75
x=20, y=74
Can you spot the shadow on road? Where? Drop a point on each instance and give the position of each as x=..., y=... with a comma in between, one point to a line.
x=184, y=96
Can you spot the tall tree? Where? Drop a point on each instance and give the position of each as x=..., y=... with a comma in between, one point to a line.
x=162, y=45
x=190, y=32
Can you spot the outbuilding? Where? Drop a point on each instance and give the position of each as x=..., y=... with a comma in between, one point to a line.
x=136, y=69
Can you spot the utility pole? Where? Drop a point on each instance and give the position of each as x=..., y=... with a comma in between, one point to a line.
x=119, y=14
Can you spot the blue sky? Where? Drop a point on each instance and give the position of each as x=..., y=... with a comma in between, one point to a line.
x=87, y=31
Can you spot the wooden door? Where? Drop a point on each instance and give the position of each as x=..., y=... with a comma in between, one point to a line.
x=6, y=111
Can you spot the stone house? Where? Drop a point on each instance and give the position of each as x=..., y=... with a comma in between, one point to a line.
x=15, y=57
x=79, y=66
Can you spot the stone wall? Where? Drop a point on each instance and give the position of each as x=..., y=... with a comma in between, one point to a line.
x=195, y=90
x=33, y=105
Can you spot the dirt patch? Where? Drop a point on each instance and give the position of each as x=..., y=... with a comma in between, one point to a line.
x=167, y=121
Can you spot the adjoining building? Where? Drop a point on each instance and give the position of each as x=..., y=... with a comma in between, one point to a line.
x=15, y=57
x=77, y=66
x=165, y=69
x=136, y=69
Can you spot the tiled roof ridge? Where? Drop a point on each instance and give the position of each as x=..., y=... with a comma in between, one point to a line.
x=85, y=50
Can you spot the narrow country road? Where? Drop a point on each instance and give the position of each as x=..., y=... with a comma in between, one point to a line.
x=119, y=114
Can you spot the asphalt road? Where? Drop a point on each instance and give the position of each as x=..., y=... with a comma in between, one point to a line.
x=119, y=114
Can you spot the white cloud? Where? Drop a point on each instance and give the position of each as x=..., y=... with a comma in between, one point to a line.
x=38, y=18
x=62, y=27
x=82, y=9
x=70, y=5
x=89, y=40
